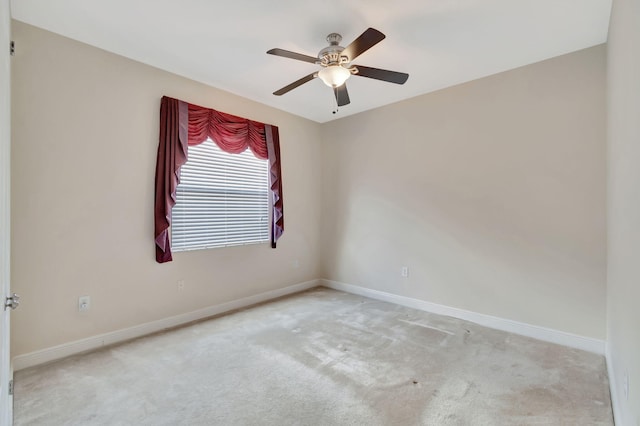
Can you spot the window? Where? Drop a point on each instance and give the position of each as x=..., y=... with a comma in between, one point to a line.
x=222, y=200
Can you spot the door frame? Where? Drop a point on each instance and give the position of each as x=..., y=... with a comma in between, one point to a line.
x=6, y=400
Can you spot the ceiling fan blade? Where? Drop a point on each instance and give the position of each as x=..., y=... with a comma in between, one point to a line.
x=366, y=41
x=384, y=75
x=342, y=95
x=292, y=55
x=295, y=84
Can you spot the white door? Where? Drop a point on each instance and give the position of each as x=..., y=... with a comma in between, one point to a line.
x=5, y=160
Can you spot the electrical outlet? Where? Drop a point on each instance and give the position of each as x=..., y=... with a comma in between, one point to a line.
x=296, y=264
x=180, y=285
x=404, y=272
x=84, y=303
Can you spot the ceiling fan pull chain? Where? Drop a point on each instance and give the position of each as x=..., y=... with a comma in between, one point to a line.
x=334, y=104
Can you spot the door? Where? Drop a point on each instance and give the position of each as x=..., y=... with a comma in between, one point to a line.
x=5, y=213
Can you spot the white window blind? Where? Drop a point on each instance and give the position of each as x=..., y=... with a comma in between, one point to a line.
x=222, y=200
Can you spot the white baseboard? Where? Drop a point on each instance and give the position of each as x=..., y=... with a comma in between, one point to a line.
x=56, y=352
x=567, y=339
x=541, y=333
x=613, y=387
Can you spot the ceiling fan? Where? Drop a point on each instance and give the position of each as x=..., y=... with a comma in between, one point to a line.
x=336, y=68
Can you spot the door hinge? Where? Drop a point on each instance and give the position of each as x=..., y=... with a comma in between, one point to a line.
x=12, y=48
x=10, y=387
x=12, y=301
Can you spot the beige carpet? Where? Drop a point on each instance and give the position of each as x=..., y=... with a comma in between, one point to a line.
x=321, y=358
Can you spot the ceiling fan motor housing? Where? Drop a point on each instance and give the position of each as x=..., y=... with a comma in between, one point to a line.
x=331, y=55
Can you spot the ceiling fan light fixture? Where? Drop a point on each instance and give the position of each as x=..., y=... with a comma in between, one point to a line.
x=336, y=66
x=334, y=75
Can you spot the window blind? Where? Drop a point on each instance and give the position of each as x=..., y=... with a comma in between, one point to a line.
x=222, y=200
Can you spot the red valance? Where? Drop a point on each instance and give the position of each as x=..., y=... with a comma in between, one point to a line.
x=183, y=124
x=232, y=134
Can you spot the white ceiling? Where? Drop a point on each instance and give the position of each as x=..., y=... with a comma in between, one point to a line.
x=440, y=43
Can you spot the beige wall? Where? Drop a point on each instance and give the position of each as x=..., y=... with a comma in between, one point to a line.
x=623, y=281
x=491, y=192
x=85, y=135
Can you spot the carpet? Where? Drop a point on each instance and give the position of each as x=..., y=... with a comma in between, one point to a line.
x=321, y=357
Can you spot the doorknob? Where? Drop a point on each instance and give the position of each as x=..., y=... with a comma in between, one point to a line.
x=12, y=301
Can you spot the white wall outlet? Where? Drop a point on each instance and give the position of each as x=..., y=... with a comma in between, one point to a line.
x=180, y=285
x=84, y=303
x=404, y=271
x=296, y=264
